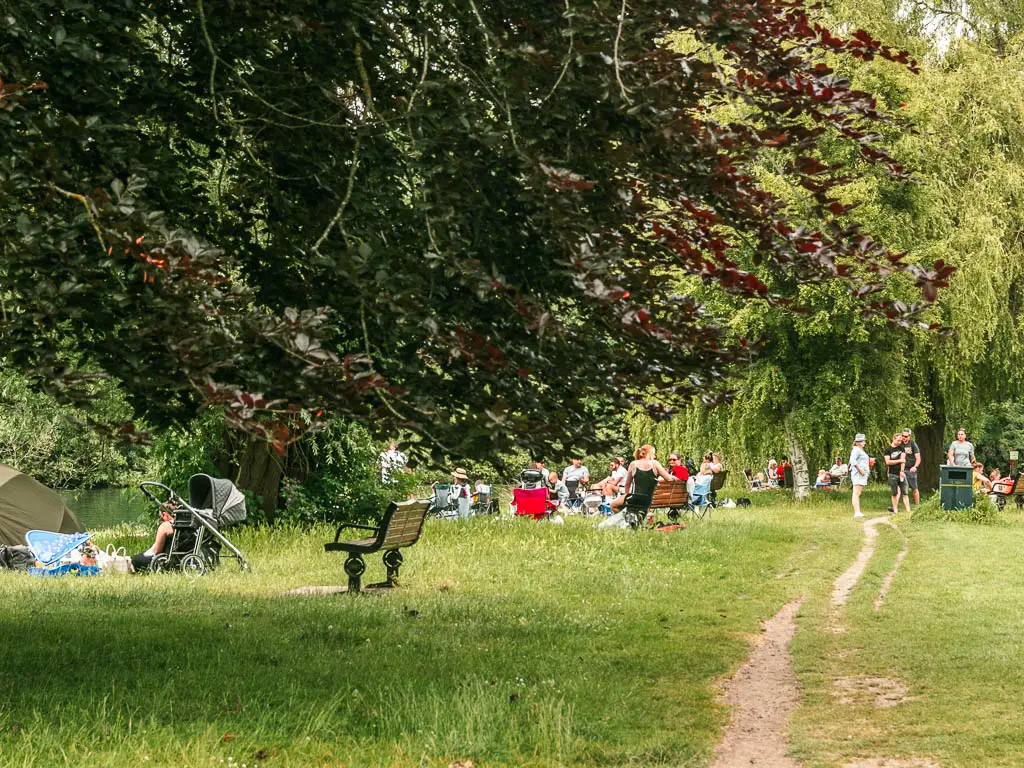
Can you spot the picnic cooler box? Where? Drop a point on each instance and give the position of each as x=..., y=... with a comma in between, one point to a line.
x=956, y=487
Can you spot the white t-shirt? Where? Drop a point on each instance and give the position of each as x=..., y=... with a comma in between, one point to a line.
x=391, y=463
x=620, y=474
x=838, y=470
x=859, y=469
x=575, y=473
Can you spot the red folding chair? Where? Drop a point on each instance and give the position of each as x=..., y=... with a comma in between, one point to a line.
x=532, y=501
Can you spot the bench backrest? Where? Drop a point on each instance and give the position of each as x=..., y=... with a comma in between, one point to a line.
x=403, y=523
x=668, y=494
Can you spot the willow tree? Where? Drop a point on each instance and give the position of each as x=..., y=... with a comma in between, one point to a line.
x=968, y=153
x=963, y=118
x=453, y=218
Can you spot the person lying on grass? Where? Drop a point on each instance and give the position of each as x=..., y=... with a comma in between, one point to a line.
x=642, y=475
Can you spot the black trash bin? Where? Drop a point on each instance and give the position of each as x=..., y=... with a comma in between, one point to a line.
x=956, y=487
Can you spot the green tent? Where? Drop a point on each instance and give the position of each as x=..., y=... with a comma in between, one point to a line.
x=26, y=504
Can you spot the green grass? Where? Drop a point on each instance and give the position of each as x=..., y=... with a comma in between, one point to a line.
x=509, y=643
x=512, y=643
x=950, y=631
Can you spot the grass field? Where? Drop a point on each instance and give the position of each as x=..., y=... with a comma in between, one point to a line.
x=512, y=643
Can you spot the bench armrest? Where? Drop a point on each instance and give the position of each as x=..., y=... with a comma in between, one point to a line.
x=337, y=533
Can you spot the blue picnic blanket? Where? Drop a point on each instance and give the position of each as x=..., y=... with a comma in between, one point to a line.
x=69, y=569
x=49, y=548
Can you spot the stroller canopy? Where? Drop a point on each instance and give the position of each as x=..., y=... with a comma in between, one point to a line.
x=26, y=504
x=220, y=496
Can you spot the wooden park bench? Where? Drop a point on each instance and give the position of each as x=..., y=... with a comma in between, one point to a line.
x=667, y=495
x=401, y=527
x=671, y=496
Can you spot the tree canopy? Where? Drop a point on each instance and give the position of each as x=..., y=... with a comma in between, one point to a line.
x=463, y=219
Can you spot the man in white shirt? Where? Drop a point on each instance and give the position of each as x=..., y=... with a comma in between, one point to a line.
x=838, y=469
x=616, y=479
x=392, y=462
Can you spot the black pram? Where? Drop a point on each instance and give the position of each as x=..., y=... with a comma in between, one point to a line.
x=197, y=543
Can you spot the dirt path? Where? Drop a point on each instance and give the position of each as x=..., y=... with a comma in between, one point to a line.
x=764, y=691
x=763, y=694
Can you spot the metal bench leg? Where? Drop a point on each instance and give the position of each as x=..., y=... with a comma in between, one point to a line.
x=392, y=561
x=355, y=566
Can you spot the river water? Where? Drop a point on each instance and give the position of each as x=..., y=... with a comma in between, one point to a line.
x=106, y=507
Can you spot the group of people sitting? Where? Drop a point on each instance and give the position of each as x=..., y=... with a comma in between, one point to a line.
x=832, y=477
x=639, y=477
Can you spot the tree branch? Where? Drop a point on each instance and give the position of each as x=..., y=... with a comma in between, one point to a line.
x=618, y=36
x=341, y=208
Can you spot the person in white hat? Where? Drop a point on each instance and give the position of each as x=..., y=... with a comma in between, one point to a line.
x=859, y=471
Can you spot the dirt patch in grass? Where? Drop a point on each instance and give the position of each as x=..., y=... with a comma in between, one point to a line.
x=887, y=582
x=763, y=694
x=891, y=763
x=883, y=692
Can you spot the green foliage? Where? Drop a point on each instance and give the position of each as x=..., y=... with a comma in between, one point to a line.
x=52, y=442
x=182, y=450
x=1002, y=431
x=981, y=512
x=444, y=217
x=340, y=464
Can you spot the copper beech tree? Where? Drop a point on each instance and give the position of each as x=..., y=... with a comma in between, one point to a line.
x=463, y=219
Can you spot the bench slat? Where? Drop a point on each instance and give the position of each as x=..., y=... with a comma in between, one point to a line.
x=669, y=494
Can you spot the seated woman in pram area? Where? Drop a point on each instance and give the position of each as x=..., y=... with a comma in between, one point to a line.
x=643, y=475
x=164, y=532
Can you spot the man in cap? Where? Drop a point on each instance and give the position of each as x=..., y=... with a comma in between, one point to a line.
x=859, y=471
x=896, y=460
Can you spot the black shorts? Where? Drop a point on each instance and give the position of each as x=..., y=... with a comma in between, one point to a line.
x=912, y=480
x=897, y=485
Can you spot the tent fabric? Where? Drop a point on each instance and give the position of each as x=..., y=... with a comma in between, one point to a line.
x=26, y=504
x=226, y=502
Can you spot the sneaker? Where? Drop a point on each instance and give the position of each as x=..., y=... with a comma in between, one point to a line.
x=858, y=514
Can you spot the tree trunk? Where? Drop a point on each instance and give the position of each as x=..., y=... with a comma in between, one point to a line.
x=933, y=453
x=801, y=477
x=260, y=471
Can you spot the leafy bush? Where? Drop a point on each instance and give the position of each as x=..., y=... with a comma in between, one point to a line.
x=1002, y=431
x=53, y=443
x=342, y=478
x=982, y=512
x=179, y=452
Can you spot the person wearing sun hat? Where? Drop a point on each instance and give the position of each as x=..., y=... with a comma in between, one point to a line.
x=859, y=471
x=460, y=483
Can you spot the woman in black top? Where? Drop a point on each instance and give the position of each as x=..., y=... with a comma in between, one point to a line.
x=642, y=475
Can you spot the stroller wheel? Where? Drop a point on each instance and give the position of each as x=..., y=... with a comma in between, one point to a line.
x=193, y=565
x=159, y=563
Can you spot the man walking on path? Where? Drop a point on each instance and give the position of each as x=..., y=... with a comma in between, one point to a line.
x=913, y=454
x=896, y=459
x=859, y=469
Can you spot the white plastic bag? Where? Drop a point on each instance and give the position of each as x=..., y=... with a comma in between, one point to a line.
x=114, y=560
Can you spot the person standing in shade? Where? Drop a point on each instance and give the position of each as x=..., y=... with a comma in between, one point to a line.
x=961, y=452
x=860, y=468
x=392, y=463
x=913, y=462
x=896, y=460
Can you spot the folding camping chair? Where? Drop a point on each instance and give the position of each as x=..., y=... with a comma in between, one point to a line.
x=532, y=501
